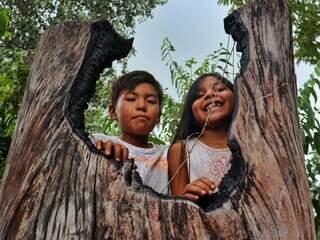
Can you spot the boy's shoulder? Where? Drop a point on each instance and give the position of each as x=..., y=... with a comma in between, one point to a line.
x=103, y=137
x=157, y=148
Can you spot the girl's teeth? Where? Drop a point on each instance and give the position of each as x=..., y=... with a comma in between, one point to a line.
x=211, y=106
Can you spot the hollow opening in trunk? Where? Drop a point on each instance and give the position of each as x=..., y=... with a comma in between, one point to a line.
x=102, y=49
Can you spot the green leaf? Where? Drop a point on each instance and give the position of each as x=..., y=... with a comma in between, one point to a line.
x=4, y=21
x=225, y=61
x=156, y=140
x=317, y=142
x=317, y=69
x=314, y=94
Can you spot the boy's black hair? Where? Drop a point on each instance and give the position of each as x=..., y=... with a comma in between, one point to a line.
x=188, y=125
x=130, y=80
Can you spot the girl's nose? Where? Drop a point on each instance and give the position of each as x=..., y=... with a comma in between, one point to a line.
x=210, y=94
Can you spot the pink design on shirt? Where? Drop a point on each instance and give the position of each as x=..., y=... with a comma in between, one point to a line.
x=219, y=168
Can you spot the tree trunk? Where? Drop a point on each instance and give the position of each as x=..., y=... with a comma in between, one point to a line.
x=58, y=186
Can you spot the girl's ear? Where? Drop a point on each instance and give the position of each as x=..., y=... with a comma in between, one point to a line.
x=112, y=112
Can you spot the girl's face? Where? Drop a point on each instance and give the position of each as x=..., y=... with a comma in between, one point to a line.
x=214, y=99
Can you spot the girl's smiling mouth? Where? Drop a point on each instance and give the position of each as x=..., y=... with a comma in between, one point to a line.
x=213, y=105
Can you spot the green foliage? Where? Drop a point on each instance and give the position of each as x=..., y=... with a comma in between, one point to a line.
x=96, y=117
x=309, y=112
x=13, y=76
x=182, y=76
x=313, y=170
x=29, y=19
x=4, y=21
x=306, y=27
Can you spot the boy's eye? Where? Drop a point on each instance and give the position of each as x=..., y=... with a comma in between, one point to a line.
x=130, y=99
x=151, y=101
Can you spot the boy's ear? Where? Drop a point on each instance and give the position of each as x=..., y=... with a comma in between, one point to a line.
x=112, y=112
x=158, y=120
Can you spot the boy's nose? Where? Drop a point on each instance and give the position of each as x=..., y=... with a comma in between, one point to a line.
x=142, y=105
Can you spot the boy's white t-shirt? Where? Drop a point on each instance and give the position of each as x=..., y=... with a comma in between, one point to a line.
x=151, y=163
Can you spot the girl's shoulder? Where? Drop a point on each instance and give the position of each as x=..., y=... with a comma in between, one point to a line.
x=177, y=148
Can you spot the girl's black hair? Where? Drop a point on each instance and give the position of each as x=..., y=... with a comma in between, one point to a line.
x=187, y=125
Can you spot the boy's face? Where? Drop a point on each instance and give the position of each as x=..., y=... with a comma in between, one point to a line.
x=137, y=111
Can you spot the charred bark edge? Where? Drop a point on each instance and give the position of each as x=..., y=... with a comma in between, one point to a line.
x=104, y=46
x=234, y=26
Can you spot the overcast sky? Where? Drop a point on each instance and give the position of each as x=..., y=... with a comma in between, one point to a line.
x=194, y=27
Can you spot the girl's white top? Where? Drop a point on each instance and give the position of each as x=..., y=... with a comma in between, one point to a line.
x=151, y=163
x=205, y=161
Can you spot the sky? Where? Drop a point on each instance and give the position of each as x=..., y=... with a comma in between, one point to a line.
x=195, y=28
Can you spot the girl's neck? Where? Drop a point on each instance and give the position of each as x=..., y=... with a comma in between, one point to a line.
x=138, y=141
x=216, y=138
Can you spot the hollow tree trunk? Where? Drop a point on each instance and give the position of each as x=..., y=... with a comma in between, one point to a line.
x=57, y=186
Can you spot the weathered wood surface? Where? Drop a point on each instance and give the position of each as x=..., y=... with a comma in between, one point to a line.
x=57, y=186
x=277, y=204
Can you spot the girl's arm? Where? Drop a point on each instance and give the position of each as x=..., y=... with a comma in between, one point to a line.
x=178, y=176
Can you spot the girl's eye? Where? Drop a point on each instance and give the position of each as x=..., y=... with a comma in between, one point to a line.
x=130, y=99
x=220, y=89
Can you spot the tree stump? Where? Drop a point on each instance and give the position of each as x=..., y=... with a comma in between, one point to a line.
x=58, y=186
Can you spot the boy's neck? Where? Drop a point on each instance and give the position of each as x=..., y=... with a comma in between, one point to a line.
x=138, y=141
x=217, y=138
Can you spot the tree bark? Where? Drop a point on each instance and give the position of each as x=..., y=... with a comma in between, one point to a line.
x=58, y=186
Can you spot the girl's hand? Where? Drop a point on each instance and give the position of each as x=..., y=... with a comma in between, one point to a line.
x=199, y=187
x=111, y=149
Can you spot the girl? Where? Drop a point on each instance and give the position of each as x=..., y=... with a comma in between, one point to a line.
x=199, y=155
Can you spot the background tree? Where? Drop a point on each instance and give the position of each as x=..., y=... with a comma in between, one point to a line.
x=305, y=16
x=28, y=20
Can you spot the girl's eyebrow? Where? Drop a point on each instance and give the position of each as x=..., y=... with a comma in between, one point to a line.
x=220, y=84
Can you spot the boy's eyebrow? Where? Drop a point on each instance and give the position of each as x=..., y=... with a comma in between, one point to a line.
x=147, y=95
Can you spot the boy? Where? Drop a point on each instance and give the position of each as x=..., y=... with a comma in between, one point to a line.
x=136, y=99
